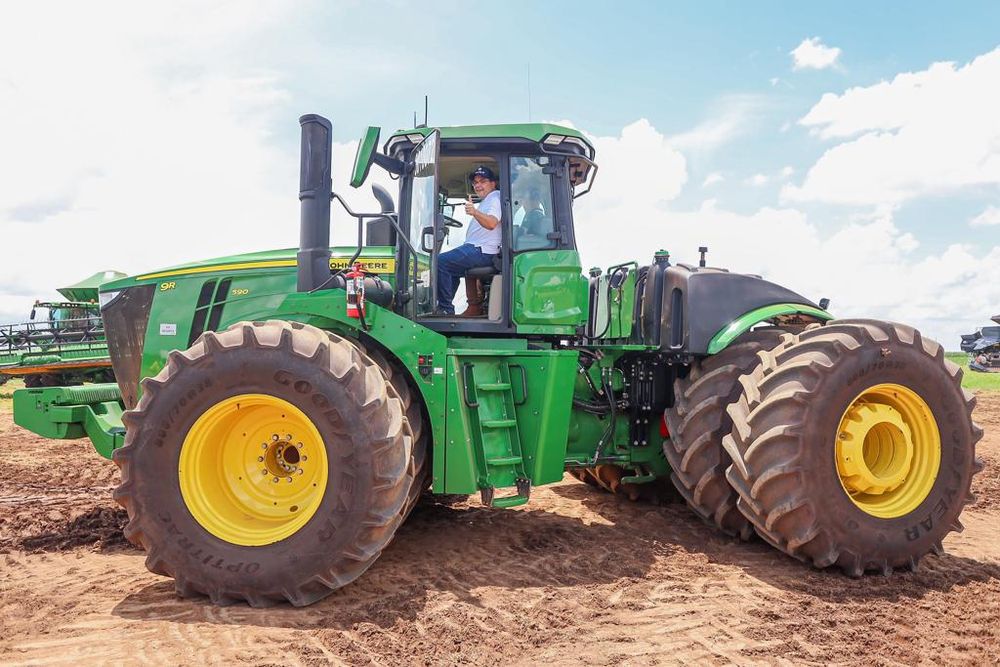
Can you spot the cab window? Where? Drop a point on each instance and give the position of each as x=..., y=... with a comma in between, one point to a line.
x=531, y=203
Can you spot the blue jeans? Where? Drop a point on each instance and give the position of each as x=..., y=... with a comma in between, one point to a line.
x=452, y=266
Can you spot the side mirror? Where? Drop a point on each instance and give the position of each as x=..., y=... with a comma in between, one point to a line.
x=427, y=239
x=365, y=156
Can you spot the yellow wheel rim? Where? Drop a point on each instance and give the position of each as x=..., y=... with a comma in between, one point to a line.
x=888, y=450
x=253, y=469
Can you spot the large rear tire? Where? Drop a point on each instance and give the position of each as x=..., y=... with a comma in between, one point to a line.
x=266, y=463
x=853, y=445
x=697, y=423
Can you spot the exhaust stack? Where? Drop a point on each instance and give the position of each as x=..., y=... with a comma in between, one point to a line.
x=315, y=186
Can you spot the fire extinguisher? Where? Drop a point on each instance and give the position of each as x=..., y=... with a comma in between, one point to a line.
x=356, y=292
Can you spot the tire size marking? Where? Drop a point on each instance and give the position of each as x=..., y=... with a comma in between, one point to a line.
x=196, y=552
x=159, y=438
x=317, y=399
x=939, y=510
x=880, y=365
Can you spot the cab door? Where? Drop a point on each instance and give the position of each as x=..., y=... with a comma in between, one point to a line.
x=550, y=293
x=425, y=228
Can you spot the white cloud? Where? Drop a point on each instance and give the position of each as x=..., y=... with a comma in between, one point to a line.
x=712, y=179
x=138, y=143
x=661, y=178
x=757, y=180
x=942, y=294
x=787, y=171
x=988, y=218
x=811, y=53
x=733, y=118
x=928, y=132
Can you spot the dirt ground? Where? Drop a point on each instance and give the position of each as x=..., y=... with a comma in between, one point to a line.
x=574, y=577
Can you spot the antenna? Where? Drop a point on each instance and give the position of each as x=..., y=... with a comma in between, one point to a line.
x=529, y=92
x=424, y=124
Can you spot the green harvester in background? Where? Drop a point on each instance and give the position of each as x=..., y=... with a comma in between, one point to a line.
x=273, y=435
x=65, y=348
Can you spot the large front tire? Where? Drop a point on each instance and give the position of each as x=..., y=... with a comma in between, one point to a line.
x=267, y=463
x=853, y=445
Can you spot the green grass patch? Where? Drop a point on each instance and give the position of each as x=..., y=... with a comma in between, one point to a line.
x=972, y=380
x=7, y=394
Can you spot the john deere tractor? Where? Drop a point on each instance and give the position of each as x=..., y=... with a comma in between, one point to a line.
x=274, y=428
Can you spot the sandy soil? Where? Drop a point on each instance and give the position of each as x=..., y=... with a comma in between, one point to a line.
x=575, y=577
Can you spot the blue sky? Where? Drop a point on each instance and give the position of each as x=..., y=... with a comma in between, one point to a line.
x=832, y=149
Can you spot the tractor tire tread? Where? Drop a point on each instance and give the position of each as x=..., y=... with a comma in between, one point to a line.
x=768, y=454
x=697, y=422
x=377, y=403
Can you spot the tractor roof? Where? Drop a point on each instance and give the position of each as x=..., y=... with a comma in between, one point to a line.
x=529, y=131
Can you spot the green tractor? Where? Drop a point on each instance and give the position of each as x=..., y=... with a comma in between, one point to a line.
x=274, y=429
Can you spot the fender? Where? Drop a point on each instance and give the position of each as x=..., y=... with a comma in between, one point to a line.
x=692, y=310
x=744, y=322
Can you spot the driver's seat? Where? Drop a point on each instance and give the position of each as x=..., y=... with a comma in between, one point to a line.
x=491, y=280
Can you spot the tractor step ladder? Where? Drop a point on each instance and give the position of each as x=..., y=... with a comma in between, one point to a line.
x=490, y=398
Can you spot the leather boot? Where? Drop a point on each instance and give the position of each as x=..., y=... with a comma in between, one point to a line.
x=475, y=299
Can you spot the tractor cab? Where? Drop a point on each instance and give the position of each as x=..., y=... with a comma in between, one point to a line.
x=535, y=283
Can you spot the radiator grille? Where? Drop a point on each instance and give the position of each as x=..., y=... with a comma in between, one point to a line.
x=125, y=321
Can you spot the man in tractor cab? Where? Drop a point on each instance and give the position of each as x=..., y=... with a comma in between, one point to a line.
x=482, y=244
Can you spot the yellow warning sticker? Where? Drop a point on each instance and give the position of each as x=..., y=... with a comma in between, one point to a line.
x=370, y=264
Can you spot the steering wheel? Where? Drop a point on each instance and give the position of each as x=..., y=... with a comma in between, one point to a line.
x=451, y=222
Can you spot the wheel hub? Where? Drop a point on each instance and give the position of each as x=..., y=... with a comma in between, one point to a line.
x=888, y=450
x=253, y=469
x=284, y=457
x=874, y=449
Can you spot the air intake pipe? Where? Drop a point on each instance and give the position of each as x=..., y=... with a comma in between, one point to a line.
x=315, y=185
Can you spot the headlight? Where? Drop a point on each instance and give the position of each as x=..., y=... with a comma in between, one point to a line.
x=107, y=297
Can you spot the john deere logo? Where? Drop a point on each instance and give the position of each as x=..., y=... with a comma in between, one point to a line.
x=370, y=265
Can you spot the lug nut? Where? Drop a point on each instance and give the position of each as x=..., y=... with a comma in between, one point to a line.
x=275, y=480
x=289, y=479
x=275, y=437
x=301, y=471
x=288, y=437
x=264, y=471
x=263, y=445
x=260, y=459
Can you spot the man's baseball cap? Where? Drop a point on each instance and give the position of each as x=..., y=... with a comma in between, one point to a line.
x=485, y=172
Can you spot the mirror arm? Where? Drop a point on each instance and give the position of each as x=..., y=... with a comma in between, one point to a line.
x=391, y=165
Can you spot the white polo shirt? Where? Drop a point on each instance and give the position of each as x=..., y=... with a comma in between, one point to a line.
x=487, y=240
